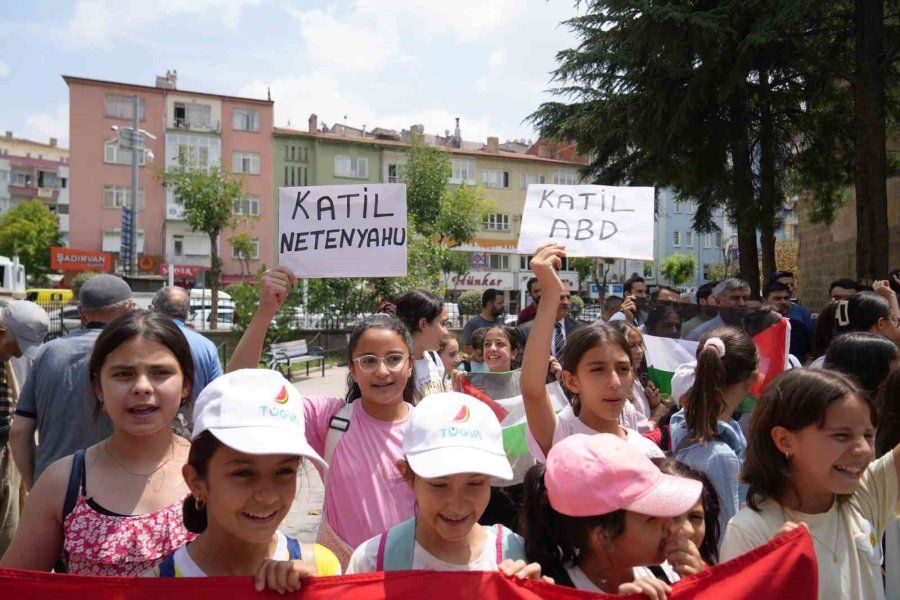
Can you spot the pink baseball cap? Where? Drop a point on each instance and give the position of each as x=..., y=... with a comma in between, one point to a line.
x=589, y=475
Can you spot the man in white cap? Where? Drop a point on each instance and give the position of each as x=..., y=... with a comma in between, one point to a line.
x=23, y=326
x=56, y=396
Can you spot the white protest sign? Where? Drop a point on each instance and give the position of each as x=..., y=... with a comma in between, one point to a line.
x=343, y=230
x=591, y=220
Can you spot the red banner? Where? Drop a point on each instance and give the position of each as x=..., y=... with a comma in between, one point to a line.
x=783, y=568
x=79, y=260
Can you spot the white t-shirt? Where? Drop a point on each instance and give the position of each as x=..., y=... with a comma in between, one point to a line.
x=581, y=581
x=365, y=557
x=568, y=424
x=847, y=538
x=428, y=375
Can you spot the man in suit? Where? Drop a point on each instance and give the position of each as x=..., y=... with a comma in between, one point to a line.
x=564, y=327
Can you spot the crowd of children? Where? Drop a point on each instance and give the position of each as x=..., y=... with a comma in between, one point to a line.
x=417, y=474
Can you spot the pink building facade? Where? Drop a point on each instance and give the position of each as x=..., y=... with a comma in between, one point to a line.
x=233, y=133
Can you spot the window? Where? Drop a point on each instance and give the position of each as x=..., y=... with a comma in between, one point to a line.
x=495, y=179
x=246, y=206
x=21, y=179
x=243, y=119
x=532, y=179
x=393, y=174
x=351, y=166
x=489, y=262
x=677, y=209
x=62, y=209
x=4, y=176
x=676, y=238
x=63, y=182
x=178, y=245
x=122, y=107
x=707, y=240
x=565, y=177
x=188, y=115
x=689, y=239
x=117, y=196
x=463, y=170
x=286, y=175
x=497, y=222
x=245, y=162
x=718, y=239
x=116, y=155
x=525, y=260
x=253, y=255
x=691, y=207
x=287, y=153
x=199, y=151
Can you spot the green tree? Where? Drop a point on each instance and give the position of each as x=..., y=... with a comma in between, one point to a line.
x=678, y=268
x=426, y=173
x=28, y=230
x=470, y=303
x=244, y=247
x=207, y=196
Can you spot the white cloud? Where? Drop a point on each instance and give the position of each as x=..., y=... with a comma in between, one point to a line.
x=96, y=23
x=4, y=69
x=352, y=42
x=43, y=126
x=469, y=20
x=497, y=59
x=298, y=97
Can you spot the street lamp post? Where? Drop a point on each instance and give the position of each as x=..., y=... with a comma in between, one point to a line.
x=131, y=139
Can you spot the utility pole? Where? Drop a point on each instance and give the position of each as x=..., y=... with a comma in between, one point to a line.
x=137, y=145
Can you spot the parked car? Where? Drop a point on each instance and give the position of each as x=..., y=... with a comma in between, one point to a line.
x=201, y=319
x=63, y=321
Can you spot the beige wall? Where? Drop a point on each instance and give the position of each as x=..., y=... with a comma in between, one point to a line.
x=828, y=253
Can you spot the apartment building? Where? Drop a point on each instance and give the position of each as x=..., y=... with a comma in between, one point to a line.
x=345, y=155
x=31, y=170
x=208, y=130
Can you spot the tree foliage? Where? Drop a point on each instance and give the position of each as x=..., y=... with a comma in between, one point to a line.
x=28, y=230
x=730, y=102
x=207, y=197
x=678, y=268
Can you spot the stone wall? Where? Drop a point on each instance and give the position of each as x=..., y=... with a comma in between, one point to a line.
x=829, y=252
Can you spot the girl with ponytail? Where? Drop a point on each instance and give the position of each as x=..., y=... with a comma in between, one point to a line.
x=704, y=434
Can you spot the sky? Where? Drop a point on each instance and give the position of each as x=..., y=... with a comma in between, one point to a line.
x=378, y=63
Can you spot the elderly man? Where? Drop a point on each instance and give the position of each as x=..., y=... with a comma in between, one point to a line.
x=175, y=303
x=57, y=398
x=732, y=293
x=562, y=329
x=23, y=326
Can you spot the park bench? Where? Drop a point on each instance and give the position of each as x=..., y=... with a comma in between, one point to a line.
x=284, y=355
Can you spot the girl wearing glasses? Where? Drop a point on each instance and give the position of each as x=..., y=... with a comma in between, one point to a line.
x=360, y=436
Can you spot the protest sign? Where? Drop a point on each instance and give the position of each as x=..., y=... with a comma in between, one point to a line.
x=343, y=230
x=783, y=568
x=591, y=220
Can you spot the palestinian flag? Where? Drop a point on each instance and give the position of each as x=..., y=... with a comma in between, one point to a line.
x=663, y=356
x=500, y=391
x=773, y=345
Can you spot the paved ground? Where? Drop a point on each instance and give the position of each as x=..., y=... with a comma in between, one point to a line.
x=303, y=520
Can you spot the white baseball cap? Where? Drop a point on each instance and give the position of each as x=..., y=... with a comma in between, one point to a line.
x=255, y=411
x=452, y=433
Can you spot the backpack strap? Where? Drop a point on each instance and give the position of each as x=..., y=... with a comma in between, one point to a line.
x=337, y=427
x=167, y=566
x=75, y=479
x=293, y=549
x=395, y=548
x=509, y=544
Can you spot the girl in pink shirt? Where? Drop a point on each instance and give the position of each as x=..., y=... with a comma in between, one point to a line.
x=360, y=435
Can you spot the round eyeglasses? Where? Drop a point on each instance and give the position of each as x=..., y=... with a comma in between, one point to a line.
x=370, y=363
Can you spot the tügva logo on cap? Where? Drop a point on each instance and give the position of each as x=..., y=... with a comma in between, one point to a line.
x=461, y=432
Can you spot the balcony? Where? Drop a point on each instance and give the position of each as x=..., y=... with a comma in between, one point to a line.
x=183, y=124
x=23, y=191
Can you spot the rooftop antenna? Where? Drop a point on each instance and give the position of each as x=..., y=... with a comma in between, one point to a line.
x=269, y=93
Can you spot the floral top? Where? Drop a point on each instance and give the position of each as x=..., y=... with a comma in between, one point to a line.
x=98, y=542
